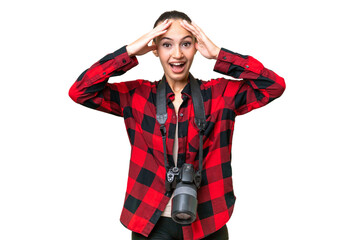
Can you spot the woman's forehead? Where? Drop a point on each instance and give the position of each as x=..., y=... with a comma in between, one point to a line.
x=176, y=31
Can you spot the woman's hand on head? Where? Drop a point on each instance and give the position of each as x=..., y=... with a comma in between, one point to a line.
x=204, y=45
x=141, y=46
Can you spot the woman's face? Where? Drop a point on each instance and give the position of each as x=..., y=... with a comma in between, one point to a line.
x=176, y=50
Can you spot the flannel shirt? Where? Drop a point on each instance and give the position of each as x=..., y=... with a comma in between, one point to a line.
x=224, y=99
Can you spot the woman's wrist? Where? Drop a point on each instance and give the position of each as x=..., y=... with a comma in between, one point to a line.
x=128, y=50
x=217, y=51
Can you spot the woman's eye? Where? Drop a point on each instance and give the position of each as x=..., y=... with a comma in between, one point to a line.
x=187, y=44
x=166, y=45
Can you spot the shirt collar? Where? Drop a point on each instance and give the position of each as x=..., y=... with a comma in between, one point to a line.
x=186, y=92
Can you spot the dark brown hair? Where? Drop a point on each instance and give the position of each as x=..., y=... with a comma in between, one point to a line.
x=172, y=15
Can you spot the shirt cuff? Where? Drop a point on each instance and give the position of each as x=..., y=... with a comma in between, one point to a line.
x=223, y=61
x=123, y=60
x=227, y=58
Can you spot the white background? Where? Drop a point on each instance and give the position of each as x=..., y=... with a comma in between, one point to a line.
x=296, y=167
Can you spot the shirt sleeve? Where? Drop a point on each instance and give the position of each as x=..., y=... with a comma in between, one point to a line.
x=258, y=87
x=92, y=89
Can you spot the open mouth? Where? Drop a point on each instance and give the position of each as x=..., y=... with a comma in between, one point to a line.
x=177, y=67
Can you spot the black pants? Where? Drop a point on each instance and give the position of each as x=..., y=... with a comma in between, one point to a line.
x=167, y=229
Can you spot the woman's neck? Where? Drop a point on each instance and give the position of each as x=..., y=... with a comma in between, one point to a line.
x=177, y=86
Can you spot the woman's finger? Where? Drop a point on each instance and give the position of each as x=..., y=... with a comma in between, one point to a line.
x=160, y=29
x=189, y=27
x=204, y=45
x=164, y=25
x=197, y=32
x=140, y=46
x=198, y=29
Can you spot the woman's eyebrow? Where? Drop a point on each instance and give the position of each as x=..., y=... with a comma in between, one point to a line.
x=188, y=36
x=167, y=38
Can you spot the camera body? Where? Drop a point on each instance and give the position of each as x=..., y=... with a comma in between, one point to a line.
x=184, y=203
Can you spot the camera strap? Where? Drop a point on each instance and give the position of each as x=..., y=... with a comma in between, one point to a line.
x=200, y=120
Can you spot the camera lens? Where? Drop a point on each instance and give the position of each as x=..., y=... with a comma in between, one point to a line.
x=184, y=203
x=183, y=216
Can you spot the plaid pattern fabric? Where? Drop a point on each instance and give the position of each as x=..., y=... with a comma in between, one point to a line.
x=224, y=99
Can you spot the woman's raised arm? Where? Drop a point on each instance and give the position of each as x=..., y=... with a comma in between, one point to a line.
x=141, y=46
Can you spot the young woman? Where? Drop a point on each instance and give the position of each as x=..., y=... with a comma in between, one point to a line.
x=175, y=41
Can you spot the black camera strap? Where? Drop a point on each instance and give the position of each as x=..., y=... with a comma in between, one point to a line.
x=200, y=120
x=161, y=114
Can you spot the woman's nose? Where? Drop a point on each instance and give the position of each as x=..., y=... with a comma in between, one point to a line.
x=177, y=53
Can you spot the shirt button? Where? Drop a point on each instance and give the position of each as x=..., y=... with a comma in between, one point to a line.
x=247, y=66
x=124, y=61
x=181, y=114
x=224, y=58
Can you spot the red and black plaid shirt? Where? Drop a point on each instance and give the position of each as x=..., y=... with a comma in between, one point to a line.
x=224, y=99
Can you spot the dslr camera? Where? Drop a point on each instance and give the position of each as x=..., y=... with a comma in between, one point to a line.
x=185, y=182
